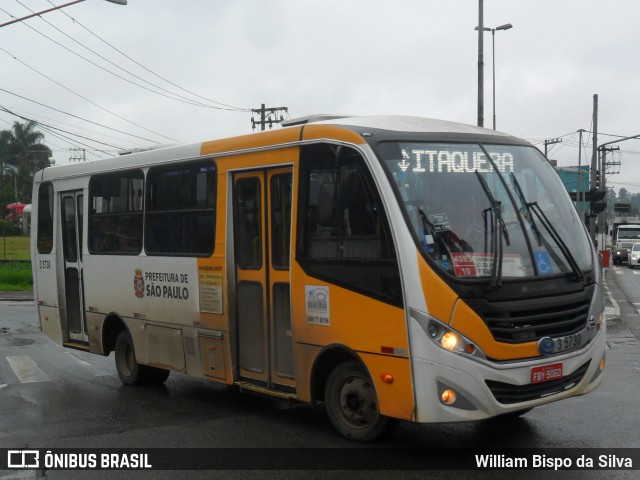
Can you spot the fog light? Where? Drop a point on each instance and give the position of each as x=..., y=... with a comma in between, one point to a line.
x=433, y=331
x=449, y=341
x=470, y=348
x=448, y=396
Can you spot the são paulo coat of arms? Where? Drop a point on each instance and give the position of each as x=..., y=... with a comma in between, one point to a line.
x=138, y=282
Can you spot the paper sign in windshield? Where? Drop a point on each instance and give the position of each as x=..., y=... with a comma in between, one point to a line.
x=470, y=264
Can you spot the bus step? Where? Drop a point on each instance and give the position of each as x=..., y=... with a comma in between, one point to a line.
x=77, y=345
x=251, y=388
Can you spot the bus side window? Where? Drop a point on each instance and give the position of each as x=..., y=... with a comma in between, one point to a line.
x=343, y=235
x=180, y=209
x=45, y=218
x=115, y=213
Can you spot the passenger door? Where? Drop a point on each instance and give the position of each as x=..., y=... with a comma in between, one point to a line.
x=71, y=214
x=262, y=232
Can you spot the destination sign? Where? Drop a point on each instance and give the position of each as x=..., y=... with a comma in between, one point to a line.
x=453, y=161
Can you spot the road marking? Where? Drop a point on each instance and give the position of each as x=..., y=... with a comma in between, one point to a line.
x=2, y=385
x=619, y=272
x=26, y=369
x=78, y=359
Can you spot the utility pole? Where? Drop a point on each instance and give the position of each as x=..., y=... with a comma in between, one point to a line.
x=480, y=63
x=602, y=218
x=550, y=142
x=580, y=188
x=82, y=157
x=594, y=167
x=274, y=116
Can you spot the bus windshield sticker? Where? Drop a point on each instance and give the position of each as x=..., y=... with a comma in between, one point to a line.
x=543, y=263
x=317, y=305
x=480, y=264
x=440, y=222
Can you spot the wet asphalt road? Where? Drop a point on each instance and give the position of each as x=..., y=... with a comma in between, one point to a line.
x=80, y=403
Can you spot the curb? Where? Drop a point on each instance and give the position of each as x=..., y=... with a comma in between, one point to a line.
x=18, y=296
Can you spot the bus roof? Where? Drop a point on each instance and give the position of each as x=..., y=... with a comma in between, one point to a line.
x=287, y=134
x=409, y=124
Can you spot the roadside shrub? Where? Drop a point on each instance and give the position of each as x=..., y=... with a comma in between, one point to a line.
x=8, y=228
x=15, y=276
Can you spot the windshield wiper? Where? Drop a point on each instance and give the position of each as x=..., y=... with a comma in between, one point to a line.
x=523, y=201
x=558, y=239
x=534, y=208
x=497, y=227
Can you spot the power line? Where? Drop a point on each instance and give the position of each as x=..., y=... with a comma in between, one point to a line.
x=25, y=112
x=78, y=117
x=179, y=98
x=56, y=128
x=58, y=133
x=147, y=69
x=85, y=98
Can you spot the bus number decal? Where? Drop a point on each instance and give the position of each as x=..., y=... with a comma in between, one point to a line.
x=317, y=305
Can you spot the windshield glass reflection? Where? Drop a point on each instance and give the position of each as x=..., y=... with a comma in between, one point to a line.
x=469, y=211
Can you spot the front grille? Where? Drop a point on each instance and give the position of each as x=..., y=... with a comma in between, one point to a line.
x=531, y=320
x=507, y=393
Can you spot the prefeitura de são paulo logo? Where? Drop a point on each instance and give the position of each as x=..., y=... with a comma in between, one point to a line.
x=138, y=283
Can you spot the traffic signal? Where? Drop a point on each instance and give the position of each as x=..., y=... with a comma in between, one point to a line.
x=598, y=200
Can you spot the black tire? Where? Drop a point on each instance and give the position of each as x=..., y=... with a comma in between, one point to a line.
x=129, y=370
x=352, y=404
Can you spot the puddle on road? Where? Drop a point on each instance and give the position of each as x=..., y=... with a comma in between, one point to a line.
x=14, y=341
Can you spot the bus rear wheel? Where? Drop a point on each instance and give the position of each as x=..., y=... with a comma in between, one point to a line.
x=352, y=404
x=129, y=370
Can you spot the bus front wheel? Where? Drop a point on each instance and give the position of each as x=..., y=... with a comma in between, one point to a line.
x=352, y=404
x=129, y=370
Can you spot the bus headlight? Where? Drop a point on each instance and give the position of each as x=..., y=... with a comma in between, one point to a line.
x=450, y=340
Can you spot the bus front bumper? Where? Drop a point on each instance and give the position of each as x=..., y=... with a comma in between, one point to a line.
x=464, y=389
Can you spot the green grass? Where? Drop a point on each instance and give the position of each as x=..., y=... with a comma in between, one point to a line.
x=15, y=248
x=16, y=276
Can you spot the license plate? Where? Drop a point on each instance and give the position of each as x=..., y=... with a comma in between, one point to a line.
x=546, y=373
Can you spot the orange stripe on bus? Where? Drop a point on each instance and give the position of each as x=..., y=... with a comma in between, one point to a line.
x=251, y=141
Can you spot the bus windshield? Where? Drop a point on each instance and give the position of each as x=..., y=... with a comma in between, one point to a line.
x=472, y=206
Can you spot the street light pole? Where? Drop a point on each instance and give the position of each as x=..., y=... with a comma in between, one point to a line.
x=15, y=20
x=506, y=26
x=480, y=29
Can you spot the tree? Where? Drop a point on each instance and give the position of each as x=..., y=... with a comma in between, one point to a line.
x=22, y=148
x=623, y=195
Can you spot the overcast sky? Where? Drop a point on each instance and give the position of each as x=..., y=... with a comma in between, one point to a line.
x=408, y=57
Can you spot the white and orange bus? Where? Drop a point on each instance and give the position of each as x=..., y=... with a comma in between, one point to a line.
x=390, y=267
